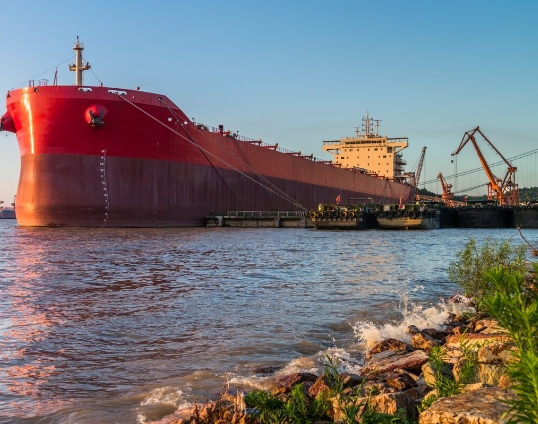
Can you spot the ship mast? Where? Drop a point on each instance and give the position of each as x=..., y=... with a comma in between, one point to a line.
x=79, y=65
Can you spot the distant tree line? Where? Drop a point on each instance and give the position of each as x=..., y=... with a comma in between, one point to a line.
x=531, y=192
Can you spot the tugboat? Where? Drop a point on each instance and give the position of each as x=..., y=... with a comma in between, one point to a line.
x=330, y=216
x=413, y=216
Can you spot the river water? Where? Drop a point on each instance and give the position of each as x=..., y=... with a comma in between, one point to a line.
x=127, y=325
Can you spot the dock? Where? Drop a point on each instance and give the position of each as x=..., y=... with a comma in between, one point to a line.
x=487, y=216
x=260, y=219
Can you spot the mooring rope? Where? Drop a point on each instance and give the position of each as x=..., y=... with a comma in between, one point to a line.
x=245, y=160
x=207, y=151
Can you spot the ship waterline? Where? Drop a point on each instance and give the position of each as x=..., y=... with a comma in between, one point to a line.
x=70, y=190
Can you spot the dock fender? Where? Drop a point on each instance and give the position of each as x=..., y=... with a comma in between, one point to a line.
x=7, y=124
x=94, y=115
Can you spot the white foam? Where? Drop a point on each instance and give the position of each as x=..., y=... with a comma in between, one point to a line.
x=423, y=317
x=165, y=395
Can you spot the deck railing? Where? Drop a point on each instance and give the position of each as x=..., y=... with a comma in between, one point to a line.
x=265, y=214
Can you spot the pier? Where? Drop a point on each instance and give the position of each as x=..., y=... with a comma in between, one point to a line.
x=260, y=219
x=484, y=216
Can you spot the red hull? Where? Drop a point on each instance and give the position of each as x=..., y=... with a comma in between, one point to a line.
x=134, y=171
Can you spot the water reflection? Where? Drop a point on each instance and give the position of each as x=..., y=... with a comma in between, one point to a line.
x=89, y=317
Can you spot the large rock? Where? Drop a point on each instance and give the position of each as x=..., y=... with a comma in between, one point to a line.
x=457, y=369
x=408, y=361
x=482, y=324
x=477, y=407
x=399, y=379
x=374, y=387
x=491, y=373
x=229, y=409
x=424, y=342
x=387, y=403
x=478, y=317
x=489, y=326
x=351, y=380
x=505, y=381
x=428, y=371
x=383, y=355
x=415, y=396
x=412, y=329
x=322, y=386
x=436, y=334
x=476, y=340
x=288, y=381
x=387, y=344
x=460, y=329
x=497, y=352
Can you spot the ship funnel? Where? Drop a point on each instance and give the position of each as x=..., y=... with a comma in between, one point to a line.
x=7, y=124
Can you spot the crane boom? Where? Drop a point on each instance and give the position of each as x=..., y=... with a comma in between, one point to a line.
x=498, y=185
x=419, y=167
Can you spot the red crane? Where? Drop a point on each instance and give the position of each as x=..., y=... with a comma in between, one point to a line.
x=505, y=190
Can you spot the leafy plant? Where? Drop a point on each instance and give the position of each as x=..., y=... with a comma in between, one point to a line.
x=473, y=262
x=370, y=416
x=296, y=408
x=445, y=384
x=268, y=409
x=302, y=410
x=515, y=305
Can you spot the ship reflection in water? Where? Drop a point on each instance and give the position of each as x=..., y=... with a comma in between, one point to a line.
x=109, y=325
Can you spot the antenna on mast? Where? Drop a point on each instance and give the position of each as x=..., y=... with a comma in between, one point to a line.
x=377, y=121
x=79, y=64
x=366, y=124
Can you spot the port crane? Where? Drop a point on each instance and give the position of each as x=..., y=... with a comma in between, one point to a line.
x=504, y=190
x=414, y=177
x=448, y=197
x=447, y=188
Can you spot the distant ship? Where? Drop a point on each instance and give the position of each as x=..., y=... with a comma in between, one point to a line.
x=6, y=212
x=100, y=156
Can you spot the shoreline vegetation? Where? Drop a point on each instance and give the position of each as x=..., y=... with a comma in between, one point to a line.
x=481, y=367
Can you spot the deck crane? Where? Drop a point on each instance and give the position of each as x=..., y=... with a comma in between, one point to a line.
x=505, y=190
x=447, y=195
x=414, y=177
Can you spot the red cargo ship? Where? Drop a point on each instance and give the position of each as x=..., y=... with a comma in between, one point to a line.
x=98, y=156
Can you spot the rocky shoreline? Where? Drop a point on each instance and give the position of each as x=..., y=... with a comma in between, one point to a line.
x=398, y=376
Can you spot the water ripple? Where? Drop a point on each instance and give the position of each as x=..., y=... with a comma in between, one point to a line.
x=94, y=320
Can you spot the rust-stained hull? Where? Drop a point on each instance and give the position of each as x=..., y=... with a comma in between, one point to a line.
x=137, y=171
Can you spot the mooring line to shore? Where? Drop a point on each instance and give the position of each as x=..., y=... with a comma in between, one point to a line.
x=208, y=152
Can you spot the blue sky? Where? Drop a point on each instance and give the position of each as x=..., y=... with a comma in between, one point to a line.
x=299, y=72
